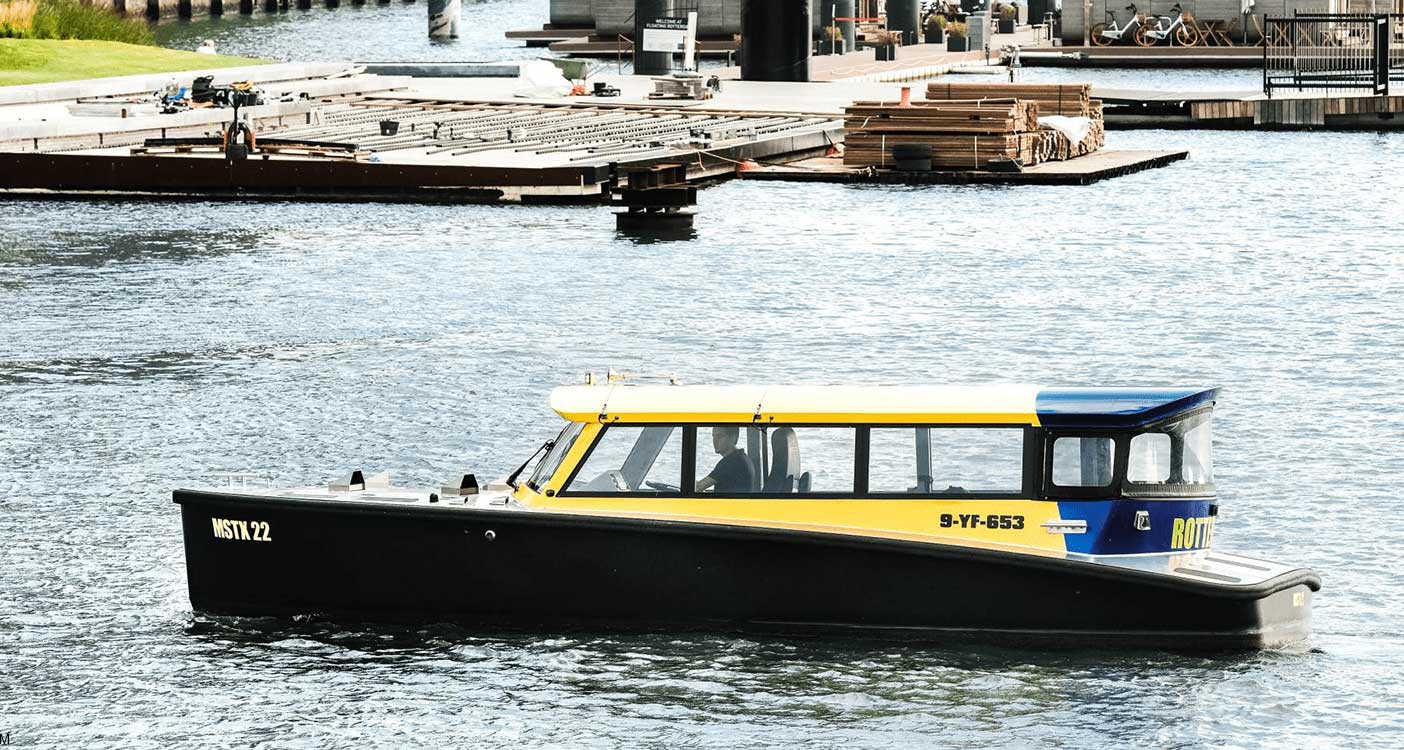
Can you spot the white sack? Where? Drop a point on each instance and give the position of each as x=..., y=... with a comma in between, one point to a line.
x=1075, y=128
x=538, y=79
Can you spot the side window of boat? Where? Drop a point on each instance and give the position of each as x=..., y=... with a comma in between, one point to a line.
x=1083, y=461
x=749, y=460
x=632, y=459
x=946, y=460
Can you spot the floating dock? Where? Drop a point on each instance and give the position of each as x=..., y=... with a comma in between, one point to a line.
x=335, y=132
x=1247, y=110
x=1084, y=170
x=481, y=146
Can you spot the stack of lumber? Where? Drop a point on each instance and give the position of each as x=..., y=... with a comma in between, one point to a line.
x=966, y=134
x=1070, y=99
x=1060, y=148
x=1066, y=99
x=970, y=125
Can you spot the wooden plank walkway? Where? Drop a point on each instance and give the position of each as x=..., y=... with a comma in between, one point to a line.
x=1083, y=170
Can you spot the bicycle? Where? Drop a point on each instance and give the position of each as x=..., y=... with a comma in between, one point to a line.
x=1104, y=34
x=1186, y=34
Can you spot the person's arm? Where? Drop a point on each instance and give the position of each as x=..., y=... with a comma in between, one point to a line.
x=706, y=483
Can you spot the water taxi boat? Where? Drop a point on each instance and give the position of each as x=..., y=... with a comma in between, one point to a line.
x=1010, y=512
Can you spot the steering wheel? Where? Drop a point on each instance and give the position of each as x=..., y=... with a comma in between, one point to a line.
x=662, y=486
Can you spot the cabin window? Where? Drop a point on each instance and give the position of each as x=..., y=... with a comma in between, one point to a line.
x=632, y=459
x=552, y=460
x=1149, y=459
x=946, y=460
x=1172, y=457
x=1083, y=461
x=743, y=459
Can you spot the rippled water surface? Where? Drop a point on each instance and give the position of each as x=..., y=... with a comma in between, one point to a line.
x=149, y=346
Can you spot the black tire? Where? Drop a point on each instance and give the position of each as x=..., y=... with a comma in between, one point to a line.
x=1096, y=36
x=911, y=152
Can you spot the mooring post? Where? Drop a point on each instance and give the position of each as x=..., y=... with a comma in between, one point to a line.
x=246, y=7
x=304, y=4
x=216, y=7
x=270, y=6
x=443, y=18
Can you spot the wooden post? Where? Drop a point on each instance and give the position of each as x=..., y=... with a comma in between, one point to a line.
x=332, y=3
x=216, y=7
x=246, y=7
x=270, y=6
x=153, y=9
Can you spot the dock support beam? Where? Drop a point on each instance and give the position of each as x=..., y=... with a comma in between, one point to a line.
x=443, y=18
x=246, y=7
x=216, y=7
x=775, y=42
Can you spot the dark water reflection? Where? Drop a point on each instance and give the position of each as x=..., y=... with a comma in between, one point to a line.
x=149, y=346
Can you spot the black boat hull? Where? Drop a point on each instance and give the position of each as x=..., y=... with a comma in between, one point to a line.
x=261, y=556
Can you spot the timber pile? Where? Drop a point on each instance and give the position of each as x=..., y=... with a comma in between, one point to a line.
x=967, y=135
x=970, y=125
x=1069, y=99
x=1062, y=149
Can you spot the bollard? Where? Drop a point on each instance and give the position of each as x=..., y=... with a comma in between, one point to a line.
x=443, y=18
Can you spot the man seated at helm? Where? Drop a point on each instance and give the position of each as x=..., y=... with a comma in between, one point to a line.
x=733, y=472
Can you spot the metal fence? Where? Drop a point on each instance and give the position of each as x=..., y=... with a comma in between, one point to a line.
x=1345, y=51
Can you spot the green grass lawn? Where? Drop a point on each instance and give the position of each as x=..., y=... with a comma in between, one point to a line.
x=48, y=60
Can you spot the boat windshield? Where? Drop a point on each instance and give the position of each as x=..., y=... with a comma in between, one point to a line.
x=1172, y=458
x=553, y=458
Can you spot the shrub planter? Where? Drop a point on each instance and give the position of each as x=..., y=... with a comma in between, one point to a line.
x=886, y=52
x=1006, y=26
x=936, y=36
x=957, y=44
x=831, y=47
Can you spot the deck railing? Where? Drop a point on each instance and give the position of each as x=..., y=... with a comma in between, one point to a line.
x=1343, y=51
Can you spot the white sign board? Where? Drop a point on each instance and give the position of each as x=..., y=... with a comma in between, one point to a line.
x=665, y=35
